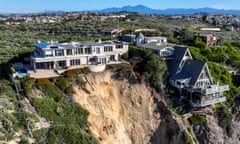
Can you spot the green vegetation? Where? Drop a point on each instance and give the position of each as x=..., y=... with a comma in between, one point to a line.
x=199, y=43
x=151, y=68
x=10, y=114
x=224, y=116
x=227, y=56
x=51, y=91
x=198, y=120
x=187, y=138
x=238, y=136
x=68, y=120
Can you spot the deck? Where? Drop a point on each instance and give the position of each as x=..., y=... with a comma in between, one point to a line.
x=209, y=102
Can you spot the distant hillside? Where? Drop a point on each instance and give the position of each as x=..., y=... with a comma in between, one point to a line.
x=171, y=11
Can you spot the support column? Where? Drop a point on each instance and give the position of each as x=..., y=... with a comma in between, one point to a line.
x=54, y=65
x=67, y=63
x=34, y=66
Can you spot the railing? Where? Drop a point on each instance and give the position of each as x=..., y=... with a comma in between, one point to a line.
x=167, y=57
x=214, y=89
x=209, y=102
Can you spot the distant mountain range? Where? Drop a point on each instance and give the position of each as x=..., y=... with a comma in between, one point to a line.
x=171, y=11
x=145, y=10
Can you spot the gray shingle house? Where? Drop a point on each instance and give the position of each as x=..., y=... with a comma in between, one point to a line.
x=191, y=77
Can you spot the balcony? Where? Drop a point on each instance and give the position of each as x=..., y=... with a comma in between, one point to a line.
x=209, y=101
x=213, y=89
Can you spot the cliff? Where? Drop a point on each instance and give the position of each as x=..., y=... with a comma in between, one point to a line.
x=123, y=110
x=126, y=113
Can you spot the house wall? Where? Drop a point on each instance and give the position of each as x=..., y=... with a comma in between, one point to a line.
x=101, y=53
x=155, y=39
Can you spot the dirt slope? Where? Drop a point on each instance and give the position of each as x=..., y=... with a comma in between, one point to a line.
x=123, y=113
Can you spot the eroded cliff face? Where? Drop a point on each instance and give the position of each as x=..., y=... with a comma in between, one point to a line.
x=213, y=133
x=124, y=113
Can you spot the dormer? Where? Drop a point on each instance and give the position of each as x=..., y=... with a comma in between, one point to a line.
x=186, y=56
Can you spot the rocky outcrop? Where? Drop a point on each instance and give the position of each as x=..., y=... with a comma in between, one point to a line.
x=212, y=133
x=124, y=113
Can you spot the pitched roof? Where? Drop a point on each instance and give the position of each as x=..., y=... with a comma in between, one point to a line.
x=140, y=36
x=173, y=64
x=191, y=69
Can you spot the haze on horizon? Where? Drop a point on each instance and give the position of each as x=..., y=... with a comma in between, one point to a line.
x=16, y=6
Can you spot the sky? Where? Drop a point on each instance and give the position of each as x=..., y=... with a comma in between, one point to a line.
x=80, y=5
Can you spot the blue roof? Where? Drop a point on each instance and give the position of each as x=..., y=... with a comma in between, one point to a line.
x=173, y=64
x=41, y=45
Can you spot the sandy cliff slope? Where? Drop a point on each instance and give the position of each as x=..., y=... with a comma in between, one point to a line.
x=120, y=113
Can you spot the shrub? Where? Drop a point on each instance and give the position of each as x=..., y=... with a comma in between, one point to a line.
x=12, y=69
x=62, y=83
x=29, y=83
x=198, y=120
x=69, y=90
x=80, y=82
x=125, y=56
x=69, y=122
x=52, y=91
x=152, y=66
x=224, y=116
x=199, y=43
x=43, y=81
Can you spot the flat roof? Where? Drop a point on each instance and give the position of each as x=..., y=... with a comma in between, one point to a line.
x=43, y=45
x=157, y=46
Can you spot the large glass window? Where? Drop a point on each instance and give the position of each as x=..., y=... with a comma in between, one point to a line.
x=98, y=50
x=75, y=62
x=69, y=51
x=88, y=50
x=108, y=49
x=61, y=63
x=59, y=52
x=48, y=53
x=119, y=46
x=80, y=51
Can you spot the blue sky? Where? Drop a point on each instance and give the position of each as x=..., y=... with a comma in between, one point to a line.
x=78, y=5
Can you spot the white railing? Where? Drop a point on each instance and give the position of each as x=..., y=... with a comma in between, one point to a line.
x=213, y=89
x=216, y=88
x=209, y=102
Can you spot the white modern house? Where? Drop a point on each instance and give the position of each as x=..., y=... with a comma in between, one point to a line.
x=141, y=39
x=63, y=55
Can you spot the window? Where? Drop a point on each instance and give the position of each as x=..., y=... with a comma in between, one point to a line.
x=88, y=50
x=119, y=46
x=112, y=58
x=48, y=53
x=80, y=51
x=69, y=51
x=75, y=62
x=59, y=52
x=98, y=50
x=61, y=63
x=108, y=49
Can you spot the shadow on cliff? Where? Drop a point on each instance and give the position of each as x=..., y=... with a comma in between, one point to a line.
x=168, y=131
